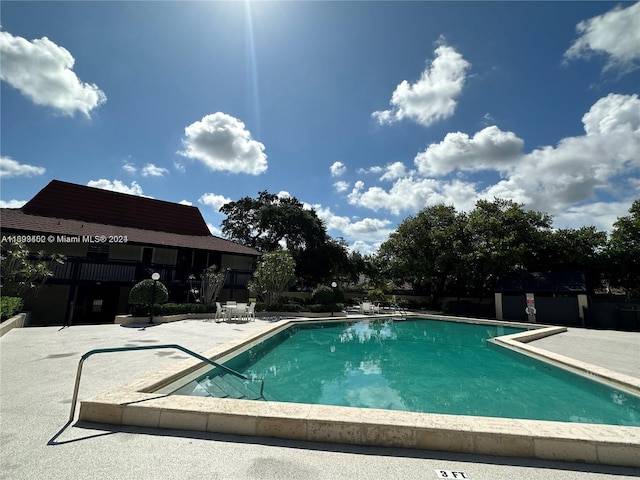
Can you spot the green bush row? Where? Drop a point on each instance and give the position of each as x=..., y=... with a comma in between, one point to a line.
x=9, y=306
x=139, y=310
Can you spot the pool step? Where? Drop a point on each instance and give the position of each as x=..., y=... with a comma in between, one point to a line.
x=230, y=386
x=224, y=385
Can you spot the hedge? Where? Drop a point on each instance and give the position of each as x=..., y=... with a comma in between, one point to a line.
x=9, y=306
x=138, y=310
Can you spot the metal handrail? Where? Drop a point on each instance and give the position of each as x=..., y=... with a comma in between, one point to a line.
x=400, y=310
x=150, y=347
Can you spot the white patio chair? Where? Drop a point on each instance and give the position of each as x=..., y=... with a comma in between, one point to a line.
x=219, y=313
x=240, y=311
x=250, y=313
x=365, y=307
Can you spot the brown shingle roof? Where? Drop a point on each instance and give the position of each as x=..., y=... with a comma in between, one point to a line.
x=17, y=221
x=77, y=202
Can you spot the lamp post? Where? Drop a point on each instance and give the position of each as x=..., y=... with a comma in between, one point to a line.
x=155, y=277
x=333, y=296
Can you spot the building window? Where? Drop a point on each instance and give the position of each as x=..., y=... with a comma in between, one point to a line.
x=97, y=305
x=99, y=250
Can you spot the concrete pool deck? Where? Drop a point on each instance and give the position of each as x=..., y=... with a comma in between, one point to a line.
x=37, y=372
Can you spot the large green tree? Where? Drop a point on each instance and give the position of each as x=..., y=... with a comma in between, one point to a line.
x=580, y=249
x=428, y=250
x=270, y=222
x=505, y=238
x=264, y=223
x=624, y=252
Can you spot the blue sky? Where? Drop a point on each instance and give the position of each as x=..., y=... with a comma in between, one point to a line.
x=366, y=111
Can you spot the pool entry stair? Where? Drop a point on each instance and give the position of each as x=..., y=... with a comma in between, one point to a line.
x=223, y=385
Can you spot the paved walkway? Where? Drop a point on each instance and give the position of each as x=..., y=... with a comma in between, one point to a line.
x=37, y=372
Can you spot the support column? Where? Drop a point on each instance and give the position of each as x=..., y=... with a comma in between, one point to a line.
x=498, y=303
x=583, y=302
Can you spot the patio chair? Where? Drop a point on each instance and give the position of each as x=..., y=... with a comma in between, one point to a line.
x=219, y=313
x=239, y=311
x=365, y=307
x=250, y=313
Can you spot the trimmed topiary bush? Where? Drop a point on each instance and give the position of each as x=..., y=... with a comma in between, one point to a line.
x=145, y=292
x=323, y=295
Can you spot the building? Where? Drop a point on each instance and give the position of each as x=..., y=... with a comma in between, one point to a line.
x=110, y=242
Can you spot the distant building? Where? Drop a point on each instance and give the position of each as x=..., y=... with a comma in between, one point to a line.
x=113, y=240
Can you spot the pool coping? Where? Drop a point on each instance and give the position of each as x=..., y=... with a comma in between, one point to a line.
x=137, y=404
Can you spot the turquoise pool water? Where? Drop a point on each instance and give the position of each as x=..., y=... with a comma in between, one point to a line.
x=426, y=366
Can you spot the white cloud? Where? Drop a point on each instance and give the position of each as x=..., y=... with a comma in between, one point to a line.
x=565, y=180
x=369, y=229
x=490, y=148
x=337, y=169
x=601, y=215
x=186, y=202
x=406, y=194
x=213, y=200
x=375, y=170
x=433, y=97
x=118, y=186
x=393, y=171
x=574, y=171
x=43, y=72
x=129, y=168
x=341, y=186
x=150, y=170
x=179, y=166
x=214, y=230
x=615, y=33
x=12, y=203
x=222, y=143
x=365, y=248
x=11, y=168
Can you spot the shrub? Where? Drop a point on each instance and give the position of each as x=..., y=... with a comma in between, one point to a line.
x=142, y=310
x=377, y=295
x=147, y=292
x=281, y=307
x=323, y=295
x=323, y=308
x=9, y=306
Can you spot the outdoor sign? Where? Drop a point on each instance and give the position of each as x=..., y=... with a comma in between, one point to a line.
x=531, y=307
x=451, y=474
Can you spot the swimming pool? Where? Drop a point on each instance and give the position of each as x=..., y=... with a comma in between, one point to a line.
x=422, y=365
x=146, y=403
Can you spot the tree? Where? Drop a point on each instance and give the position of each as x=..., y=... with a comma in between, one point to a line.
x=264, y=223
x=211, y=282
x=427, y=250
x=274, y=274
x=323, y=263
x=579, y=249
x=505, y=238
x=624, y=252
x=23, y=272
